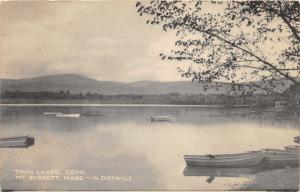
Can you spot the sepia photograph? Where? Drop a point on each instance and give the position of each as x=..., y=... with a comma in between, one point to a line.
x=149, y=95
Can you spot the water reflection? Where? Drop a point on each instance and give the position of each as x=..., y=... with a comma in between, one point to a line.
x=221, y=172
x=263, y=178
x=230, y=172
x=123, y=142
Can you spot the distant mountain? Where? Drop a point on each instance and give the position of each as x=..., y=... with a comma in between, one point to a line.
x=77, y=83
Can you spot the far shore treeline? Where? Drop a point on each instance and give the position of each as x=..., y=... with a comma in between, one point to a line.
x=170, y=98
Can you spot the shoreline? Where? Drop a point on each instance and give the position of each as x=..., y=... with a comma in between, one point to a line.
x=117, y=105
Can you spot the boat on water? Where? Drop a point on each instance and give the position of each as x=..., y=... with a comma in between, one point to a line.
x=290, y=156
x=91, y=114
x=162, y=118
x=246, y=159
x=52, y=113
x=70, y=115
x=17, y=142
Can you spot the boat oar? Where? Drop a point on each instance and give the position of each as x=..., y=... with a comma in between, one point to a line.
x=211, y=156
x=210, y=179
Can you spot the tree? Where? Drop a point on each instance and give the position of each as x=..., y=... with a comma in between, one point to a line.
x=252, y=44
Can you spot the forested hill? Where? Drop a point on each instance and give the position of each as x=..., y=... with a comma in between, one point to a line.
x=80, y=84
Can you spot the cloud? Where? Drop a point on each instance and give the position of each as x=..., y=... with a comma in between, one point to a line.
x=104, y=40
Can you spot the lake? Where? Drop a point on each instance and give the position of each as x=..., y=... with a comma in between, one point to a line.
x=123, y=149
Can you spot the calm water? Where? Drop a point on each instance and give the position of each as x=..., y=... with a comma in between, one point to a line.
x=123, y=142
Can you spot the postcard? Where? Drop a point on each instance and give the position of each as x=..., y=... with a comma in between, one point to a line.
x=149, y=95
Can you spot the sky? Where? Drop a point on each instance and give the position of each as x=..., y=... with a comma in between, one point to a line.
x=104, y=40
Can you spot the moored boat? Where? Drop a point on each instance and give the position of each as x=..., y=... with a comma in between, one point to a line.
x=17, y=142
x=295, y=148
x=91, y=114
x=287, y=157
x=246, y=159
x=52, y=113
x=71, y=115
x=162, y=118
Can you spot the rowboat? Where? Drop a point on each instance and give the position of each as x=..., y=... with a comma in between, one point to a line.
x=52, y=113
x=162, y=118
x=91, y=114
x=71, y=115
x=288, y=157
x=246, y=159
x=15, y=142
x=294, y=148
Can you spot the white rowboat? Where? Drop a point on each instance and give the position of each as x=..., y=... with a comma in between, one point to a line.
x=162, y=118
x=288, y=157
x=71, y=115
x=267, y=157
x=295, y=148
x=52, y=113
x=246, y=159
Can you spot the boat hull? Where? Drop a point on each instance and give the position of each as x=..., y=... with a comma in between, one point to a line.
x=225, y=161
x=163, y=118
x=283, y=158
x=52, y=113
x=92, y=115
x=17, y=142
x=293, y=148
x=68, y=115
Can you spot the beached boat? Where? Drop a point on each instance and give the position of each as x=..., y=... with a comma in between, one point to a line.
x=71, y=115
x=297, y=139
x=52, y=113
x=288, y=157
x=295, y=148
x=162, y=118
x=246, y=159
x=15, y=142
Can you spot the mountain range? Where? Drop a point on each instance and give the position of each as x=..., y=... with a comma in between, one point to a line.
x=77, y=83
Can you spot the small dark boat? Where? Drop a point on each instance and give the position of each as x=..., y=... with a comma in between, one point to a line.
x=92, y=114
x=17, y=142
x=297, y=139
x=246, y=159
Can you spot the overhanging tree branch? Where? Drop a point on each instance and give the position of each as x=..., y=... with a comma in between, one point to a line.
x=246, y=51
x=224, y=47
x=288, y=23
